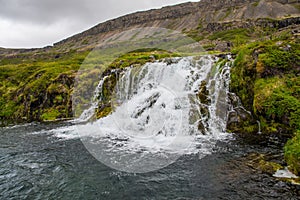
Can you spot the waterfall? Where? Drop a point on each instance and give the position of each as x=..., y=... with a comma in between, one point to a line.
x=161, y=100
x=88, y=113
x=164, y=109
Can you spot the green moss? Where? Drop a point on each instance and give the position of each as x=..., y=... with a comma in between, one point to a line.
x=255, y=4
x=103, y=112
x=243, y=76
x=7, y=109
x=292, y=153
x=269, y=167
x=50, y=115
x=285, y=57
x=278, y=103
x=264, y=77
x=263, y=163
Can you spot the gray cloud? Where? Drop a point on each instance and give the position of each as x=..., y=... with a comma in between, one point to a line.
x=35, y=23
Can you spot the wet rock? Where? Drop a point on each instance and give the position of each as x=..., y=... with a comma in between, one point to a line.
x=261, y=162
x=203, y=93
x=234, y=100
x=201, y=128
x=204, y=111
x=147, y=104
x=238, y=118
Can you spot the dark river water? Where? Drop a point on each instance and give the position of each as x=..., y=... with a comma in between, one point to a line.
x=37, y=165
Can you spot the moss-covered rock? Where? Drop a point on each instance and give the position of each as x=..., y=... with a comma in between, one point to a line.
x=292, y=153
x=263, y=162
x=265, y=78
x=203, y=93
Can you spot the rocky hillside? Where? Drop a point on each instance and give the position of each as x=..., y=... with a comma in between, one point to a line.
x=209, y=15
x=188, y=16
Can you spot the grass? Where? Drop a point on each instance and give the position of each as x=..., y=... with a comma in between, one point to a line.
x=276, y=102
x=237, y=36
x=37, y=87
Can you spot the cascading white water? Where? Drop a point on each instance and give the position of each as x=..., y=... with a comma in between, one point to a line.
x=88, y=113
x=157, y=110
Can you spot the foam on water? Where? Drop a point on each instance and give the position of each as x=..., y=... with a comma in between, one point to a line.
x=284, y=173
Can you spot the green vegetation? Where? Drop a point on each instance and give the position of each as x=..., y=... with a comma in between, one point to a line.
x=38, y=87
x=277, y=104
x=50, y=115
x=140, y=57
x=237, y=36
x=255, y=4
x=266, y=78
x=292, y=153
x=243, y=76
x=263, y=163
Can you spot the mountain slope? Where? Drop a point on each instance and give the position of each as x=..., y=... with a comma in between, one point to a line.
x=188, y=16
x=183, y=17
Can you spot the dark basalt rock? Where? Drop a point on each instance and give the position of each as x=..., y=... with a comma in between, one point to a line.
x=239, y=119
x=203, y=93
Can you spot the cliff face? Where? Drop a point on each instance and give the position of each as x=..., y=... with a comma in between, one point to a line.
x=187, y=16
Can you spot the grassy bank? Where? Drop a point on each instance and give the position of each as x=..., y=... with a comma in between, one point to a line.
x=266, y=78
x=38, y=87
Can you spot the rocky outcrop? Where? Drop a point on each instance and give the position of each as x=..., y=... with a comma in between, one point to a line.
x=264, y=23
x=187, y=16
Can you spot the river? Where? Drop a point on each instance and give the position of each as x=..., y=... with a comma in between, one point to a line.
x=35, y=164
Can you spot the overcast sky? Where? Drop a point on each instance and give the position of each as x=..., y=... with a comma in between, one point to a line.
x=38, y=23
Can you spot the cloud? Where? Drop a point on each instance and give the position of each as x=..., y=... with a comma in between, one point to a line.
x=29, y=35
x=37, y=23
